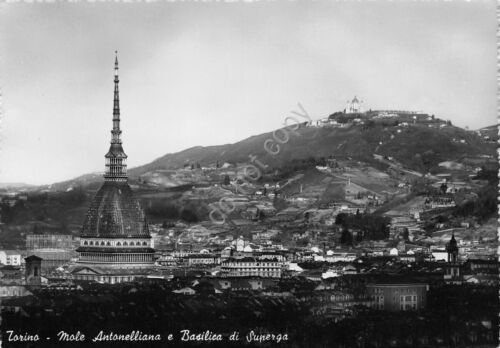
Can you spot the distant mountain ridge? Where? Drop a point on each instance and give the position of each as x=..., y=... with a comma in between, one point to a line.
x=15, y=185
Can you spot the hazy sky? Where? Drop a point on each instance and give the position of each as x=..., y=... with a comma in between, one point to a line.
x=213, y=73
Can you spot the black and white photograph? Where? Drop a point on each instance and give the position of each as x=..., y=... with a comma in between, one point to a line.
x=249, y=174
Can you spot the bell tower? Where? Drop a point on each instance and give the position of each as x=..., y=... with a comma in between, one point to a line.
x=452, y=268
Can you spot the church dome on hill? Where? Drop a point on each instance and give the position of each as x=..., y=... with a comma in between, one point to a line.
x=354, y=106
x=115, y=213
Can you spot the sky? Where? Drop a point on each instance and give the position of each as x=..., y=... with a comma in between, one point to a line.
x=197, y=73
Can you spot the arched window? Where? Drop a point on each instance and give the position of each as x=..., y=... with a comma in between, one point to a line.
x=85, y=243
x=118, y=244
x=108, y=243
x=144, y=243
x=102, y=243
x=125, y=244
x=91, y=243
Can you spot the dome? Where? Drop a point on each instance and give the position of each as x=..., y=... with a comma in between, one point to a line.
x=115, y=213
x=116, y=151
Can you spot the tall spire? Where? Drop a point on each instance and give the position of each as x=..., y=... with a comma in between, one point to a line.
x=116, y=107
x=116, y=166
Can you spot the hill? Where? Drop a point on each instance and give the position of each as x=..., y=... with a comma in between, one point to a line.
x=415, y=146
x=322, y=164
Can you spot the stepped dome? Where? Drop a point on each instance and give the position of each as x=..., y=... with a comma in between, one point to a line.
x=115, y=213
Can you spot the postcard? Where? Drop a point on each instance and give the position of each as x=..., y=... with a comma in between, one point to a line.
x=248, y=174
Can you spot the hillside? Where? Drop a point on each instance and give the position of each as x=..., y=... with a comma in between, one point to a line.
x=416, y=147
x=490, y=132
x=366, y=159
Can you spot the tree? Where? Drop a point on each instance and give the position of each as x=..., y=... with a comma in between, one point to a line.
x=261, y=215
x=303, y=242
x=341, y=219
x=359, y=236
x=406, y=234
x=346, y=237
x=369, y=124
x=226, y=180
x=306, y=217
x=189, y=216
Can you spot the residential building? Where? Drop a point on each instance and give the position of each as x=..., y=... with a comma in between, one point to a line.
x=10, y=258
x=251, y=266
x=394, y=296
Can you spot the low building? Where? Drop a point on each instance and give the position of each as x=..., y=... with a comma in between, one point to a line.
x=335, y=256
x=479, y=266
x=167, y=261
x=10, y=258
x=242, y=283
x=201, y=259
x=54, y=249
x=394, y=296
x=13, y=290
x=439, y=254
x=264, y=236
x=106, y=275
x=53, y=258
x=251, y=267
x=49, y=241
